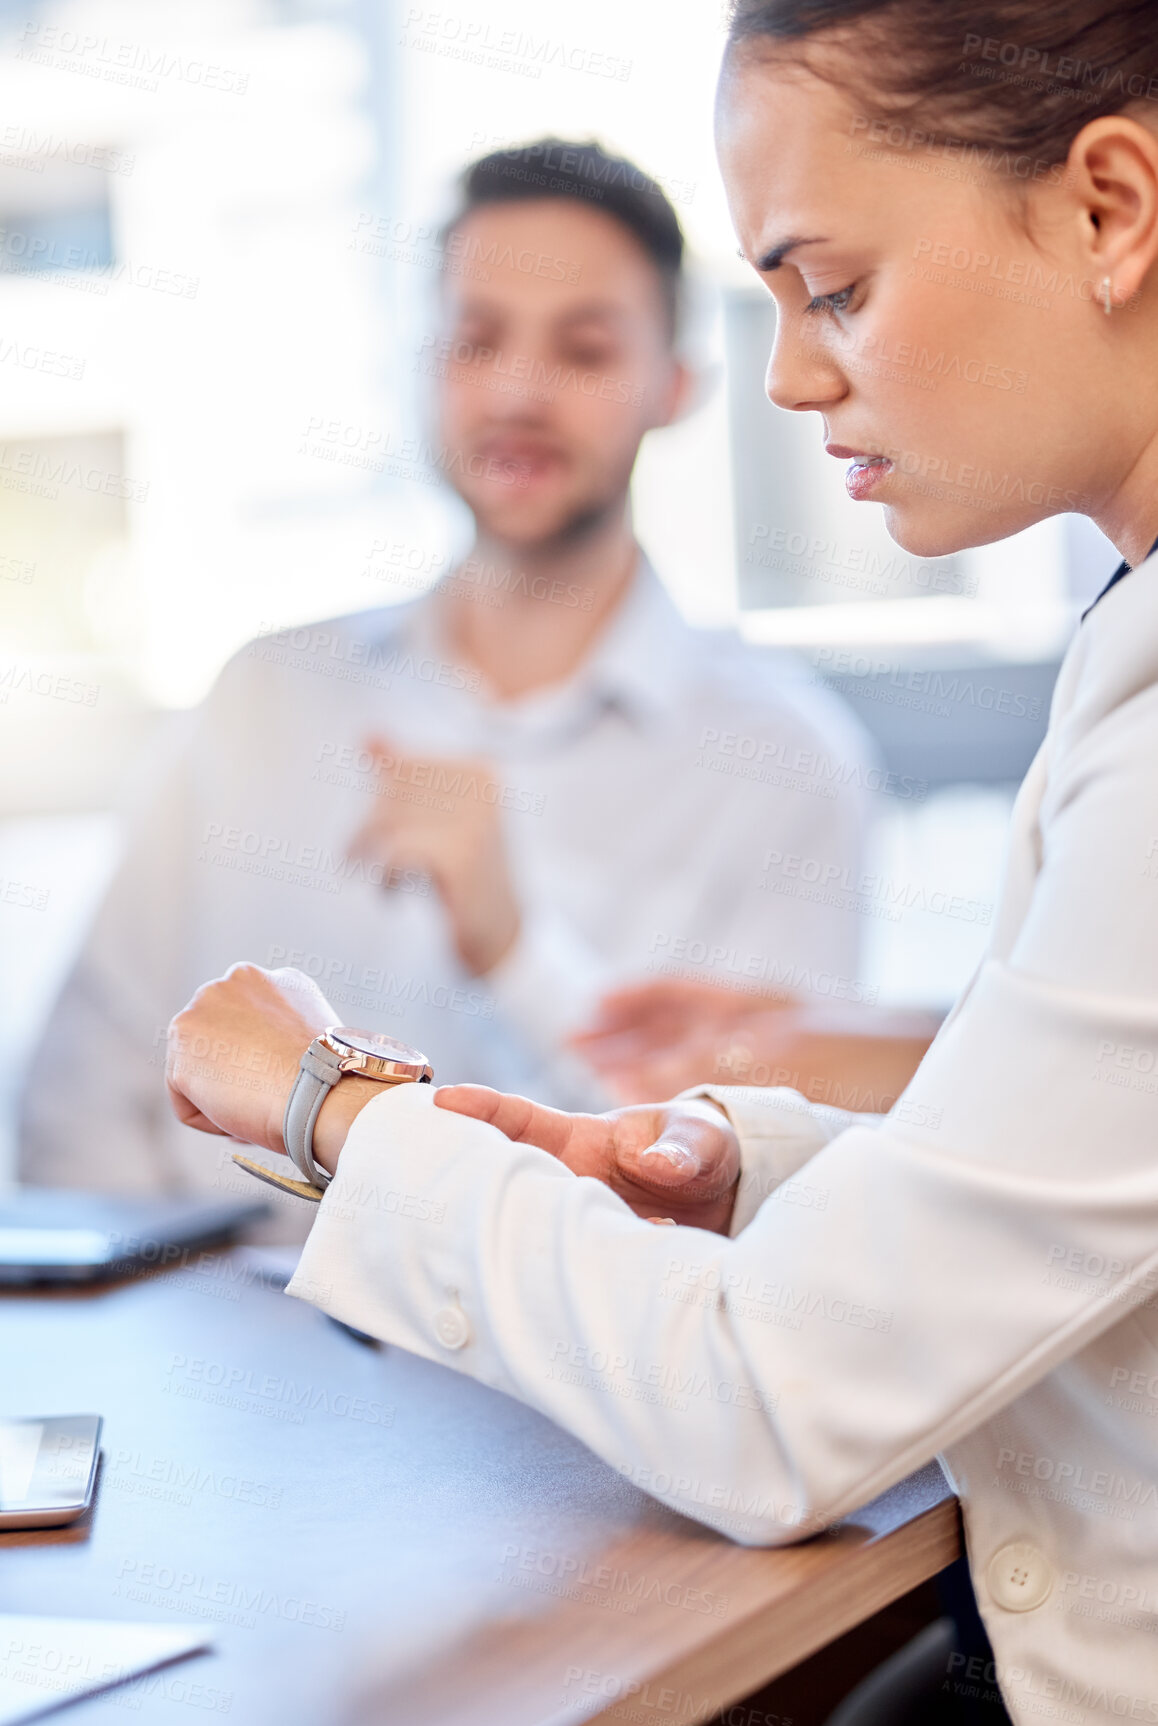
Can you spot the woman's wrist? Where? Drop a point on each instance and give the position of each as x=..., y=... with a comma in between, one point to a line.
x=345, y=1102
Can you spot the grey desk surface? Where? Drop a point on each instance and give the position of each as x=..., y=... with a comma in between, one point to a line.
x=369, y=1537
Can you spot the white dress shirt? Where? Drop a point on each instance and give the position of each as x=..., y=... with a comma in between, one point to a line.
x=975, y=1275
x=634, y=840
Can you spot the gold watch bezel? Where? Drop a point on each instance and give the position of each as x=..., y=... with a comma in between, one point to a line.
x=385, y=1070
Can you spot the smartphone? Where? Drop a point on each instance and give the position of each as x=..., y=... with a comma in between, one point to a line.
x=47, y=1469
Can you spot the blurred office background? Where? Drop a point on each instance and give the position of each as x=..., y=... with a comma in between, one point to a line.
x=217, y=263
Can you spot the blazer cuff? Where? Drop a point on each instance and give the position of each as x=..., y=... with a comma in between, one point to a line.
x=779, y=1131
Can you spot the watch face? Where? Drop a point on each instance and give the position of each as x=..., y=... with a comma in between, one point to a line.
x=378, y=1045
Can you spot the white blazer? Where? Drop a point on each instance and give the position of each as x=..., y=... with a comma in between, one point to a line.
x=973, y=1277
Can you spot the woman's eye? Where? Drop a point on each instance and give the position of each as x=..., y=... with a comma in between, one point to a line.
x=838, y=302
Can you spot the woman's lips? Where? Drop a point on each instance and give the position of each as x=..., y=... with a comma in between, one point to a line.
x=864, y=471
x=864, y=474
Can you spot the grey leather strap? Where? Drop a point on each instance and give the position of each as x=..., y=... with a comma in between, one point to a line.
x=320, y=1070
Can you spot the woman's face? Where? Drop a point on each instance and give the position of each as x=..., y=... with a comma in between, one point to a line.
x=953, y=345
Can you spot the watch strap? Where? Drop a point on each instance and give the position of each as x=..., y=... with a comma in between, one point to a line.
x=318, y=1073
x=300, y=1189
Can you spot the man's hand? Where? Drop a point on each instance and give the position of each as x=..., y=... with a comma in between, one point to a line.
x=676, y=1162
x=435, y=815
x=234, y=1052
x=654, y=1039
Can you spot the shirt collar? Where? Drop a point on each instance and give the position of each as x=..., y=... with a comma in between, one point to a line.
x=639, y=664
x=642, y=661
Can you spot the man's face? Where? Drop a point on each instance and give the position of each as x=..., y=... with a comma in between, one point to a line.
x=553, y=361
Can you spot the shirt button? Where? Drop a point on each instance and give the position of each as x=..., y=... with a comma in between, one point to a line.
x=1019, y=1578
x=451, y=1328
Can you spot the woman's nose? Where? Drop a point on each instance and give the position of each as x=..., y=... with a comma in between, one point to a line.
x=801, y=376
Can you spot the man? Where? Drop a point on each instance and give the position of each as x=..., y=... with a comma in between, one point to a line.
x=468, y=816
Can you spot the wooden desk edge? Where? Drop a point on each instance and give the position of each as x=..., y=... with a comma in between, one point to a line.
x=772, y=1640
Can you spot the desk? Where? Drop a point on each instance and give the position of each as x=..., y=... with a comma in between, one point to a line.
x=351, y=1519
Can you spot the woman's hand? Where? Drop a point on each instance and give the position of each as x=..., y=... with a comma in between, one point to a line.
x=234, y=1052
x=677, y=1162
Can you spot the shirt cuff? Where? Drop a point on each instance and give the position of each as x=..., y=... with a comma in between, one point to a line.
x=550, y=981
x=779, y=1131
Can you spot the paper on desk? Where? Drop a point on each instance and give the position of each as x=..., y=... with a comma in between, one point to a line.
x=47, y=1661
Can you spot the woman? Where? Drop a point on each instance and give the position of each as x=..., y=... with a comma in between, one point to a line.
x=935, y=193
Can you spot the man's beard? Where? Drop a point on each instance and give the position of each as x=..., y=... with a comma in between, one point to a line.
x=584, y=521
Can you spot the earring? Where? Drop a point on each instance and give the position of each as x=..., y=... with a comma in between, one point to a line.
x=1106, y=300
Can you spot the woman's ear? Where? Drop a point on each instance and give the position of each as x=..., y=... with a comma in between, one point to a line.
x=1112, y=172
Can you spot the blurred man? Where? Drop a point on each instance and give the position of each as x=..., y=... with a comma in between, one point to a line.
x=470, y=815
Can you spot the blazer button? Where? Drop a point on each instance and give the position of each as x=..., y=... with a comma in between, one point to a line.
x=451, y=1328
x=1019, y=1578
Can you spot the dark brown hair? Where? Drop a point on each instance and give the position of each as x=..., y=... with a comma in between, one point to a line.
x=585, y=173
x=1019, y=78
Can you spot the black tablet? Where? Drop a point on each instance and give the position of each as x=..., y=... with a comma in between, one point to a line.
x=50, y=1235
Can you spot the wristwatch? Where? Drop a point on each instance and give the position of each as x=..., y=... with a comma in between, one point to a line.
x=336, y=1051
